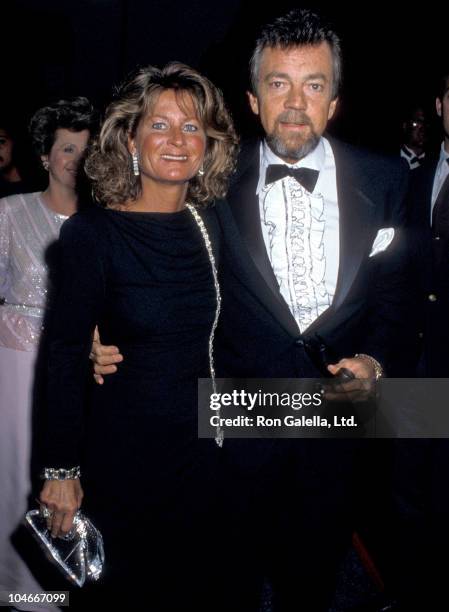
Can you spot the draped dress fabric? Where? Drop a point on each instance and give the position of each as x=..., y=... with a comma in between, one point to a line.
x=149, y=483
x=27, y=230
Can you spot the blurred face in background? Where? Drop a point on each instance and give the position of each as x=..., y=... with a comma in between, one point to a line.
x=65, y=156
x=416, y=130
x=6, y=146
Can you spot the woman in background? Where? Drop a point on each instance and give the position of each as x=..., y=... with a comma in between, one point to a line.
x=29, y=224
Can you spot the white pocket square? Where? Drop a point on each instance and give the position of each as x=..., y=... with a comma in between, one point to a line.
x=382, y=240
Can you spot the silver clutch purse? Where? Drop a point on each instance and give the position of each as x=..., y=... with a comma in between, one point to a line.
x=79, y=554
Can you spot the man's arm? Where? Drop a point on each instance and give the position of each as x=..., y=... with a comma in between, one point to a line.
x=104, y=358
x=390, y=322
x=378, y=329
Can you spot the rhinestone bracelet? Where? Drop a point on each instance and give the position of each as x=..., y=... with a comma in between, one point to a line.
x=61, y=473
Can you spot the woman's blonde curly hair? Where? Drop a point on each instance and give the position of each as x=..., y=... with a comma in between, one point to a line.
x=109, y=163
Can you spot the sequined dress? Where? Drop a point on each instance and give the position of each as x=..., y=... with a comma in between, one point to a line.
x=27, y=229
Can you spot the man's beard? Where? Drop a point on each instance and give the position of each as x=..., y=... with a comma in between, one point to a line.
x=281, y=148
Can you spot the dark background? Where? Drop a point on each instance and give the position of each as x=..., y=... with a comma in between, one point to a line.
x=57, y=48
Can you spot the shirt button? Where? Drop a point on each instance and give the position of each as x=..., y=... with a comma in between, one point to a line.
x=436, y=238
x=299, y=342
x=432, y=297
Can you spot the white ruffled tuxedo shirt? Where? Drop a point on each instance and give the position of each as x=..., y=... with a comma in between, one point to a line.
x=301, y=232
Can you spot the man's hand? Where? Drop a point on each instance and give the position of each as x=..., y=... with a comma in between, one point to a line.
x=359, y=366
x=104, y=358
x=359, y=388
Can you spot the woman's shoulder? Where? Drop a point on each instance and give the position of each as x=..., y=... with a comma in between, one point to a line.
x=87, y=225
x=13, y=203
x=91, y=217
x=223, y=213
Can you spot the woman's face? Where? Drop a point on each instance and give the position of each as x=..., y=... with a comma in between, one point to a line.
x=65, y=156
x=170, y=141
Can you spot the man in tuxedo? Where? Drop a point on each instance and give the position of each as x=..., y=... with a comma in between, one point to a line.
x=347, y=205
x=312, y=255
x=422, y=466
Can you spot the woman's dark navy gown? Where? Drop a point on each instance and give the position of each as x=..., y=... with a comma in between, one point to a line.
x=149, y=483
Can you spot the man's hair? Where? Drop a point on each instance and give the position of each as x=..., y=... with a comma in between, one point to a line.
x=299, y=27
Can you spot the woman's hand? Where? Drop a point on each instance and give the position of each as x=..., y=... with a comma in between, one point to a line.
x=62, y=498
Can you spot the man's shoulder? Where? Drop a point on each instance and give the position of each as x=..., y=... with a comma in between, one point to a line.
x=248, y=159
x=371, y=161
x=249, y=150
x=419, y=193
x=222, y=212
x=425, y=171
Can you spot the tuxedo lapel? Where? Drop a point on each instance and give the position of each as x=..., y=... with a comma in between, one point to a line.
x=355, y=209
x=251, y=256
x=355, y=212
x=247, y=215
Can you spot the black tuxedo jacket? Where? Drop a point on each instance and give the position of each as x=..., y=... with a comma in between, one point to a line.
x=257, y=335
x=431, y=281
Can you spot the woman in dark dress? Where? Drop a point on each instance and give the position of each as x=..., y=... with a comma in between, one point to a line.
x=144, y=269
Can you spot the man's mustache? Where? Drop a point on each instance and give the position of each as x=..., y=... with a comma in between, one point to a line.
x=294, y=117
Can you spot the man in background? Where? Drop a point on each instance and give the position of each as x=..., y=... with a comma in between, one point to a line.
x=421, y=482
x=414, y=137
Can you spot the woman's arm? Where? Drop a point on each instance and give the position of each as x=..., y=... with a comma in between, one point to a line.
x=79, y=301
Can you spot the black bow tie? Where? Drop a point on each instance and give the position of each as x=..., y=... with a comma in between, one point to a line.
x=305, y=176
